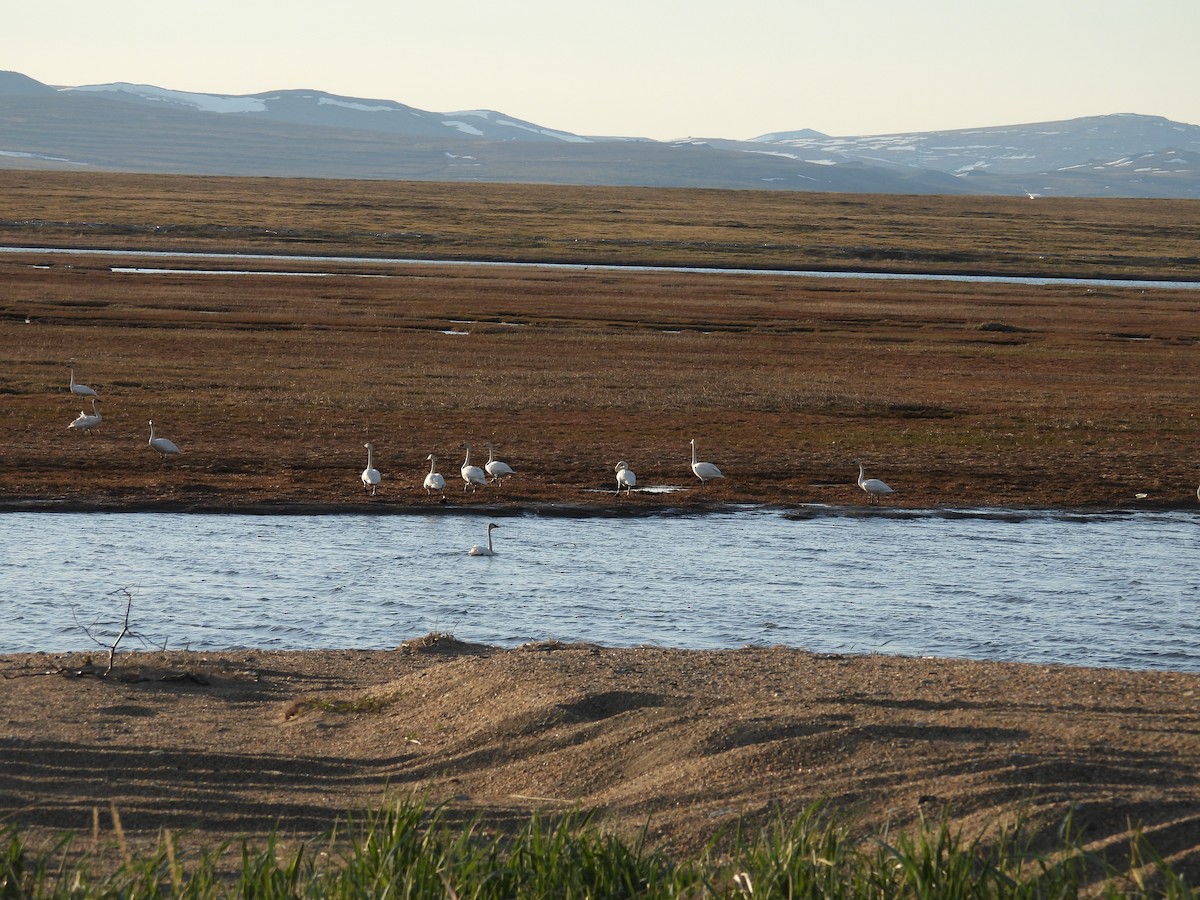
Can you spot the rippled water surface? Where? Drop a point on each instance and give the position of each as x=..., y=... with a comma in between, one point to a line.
x=1099, y=589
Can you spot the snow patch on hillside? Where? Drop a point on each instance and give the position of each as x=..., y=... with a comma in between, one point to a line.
x=463, y=127
x=498, y=119
x=203, y=102
x=347, y=104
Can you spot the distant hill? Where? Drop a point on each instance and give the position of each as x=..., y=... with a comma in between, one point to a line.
x=14, y=84
x=311, y=133
x=1125, y=155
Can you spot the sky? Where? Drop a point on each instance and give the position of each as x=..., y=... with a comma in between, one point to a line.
x=663, y=69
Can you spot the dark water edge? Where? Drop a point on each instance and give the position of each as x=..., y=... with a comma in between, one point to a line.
x=792, y=511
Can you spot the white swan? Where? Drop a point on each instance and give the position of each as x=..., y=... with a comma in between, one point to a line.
x=370, y=475
x=81, y=389
x=477, y=550
x=434, y=480
x=703, y=470
x=625, y=477
x=873, y=486
x=473, y=476
x=494, y=467
x=85, y=422
x=161, y=444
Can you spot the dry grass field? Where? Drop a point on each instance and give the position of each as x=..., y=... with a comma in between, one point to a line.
x=954, y=393
x=758, y=229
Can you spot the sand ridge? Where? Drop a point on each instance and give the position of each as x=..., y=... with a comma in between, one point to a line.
x=686, y=742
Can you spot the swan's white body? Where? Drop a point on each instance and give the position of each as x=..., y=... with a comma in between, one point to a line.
x=477, y=550
x=370, y=475
x=625, y=477
x=873, y=486
x=472, y=476
x=84, y=421
x=434, y=480
x=81, y=389
x=162, y=445
x=703, y=470
x=494, y=467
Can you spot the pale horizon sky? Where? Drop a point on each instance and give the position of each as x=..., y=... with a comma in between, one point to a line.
x=664, y=70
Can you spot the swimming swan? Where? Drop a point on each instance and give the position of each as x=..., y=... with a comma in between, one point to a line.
x=477, y=550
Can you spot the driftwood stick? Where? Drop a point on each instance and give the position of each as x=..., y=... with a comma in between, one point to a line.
x=112, y=651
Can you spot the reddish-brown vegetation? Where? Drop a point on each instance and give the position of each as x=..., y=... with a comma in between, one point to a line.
x=954, y=393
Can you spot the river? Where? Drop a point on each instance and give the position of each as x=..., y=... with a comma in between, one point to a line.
x=1100, y=589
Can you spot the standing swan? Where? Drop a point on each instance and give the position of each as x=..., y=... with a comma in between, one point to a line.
x=81, y=389
x=477, y=550
x=873, y=486
x=161, y=444
x=703, y=470
x=434, y=480
x=473, y=476
x=625, y=477
x=370, y=475
x=494, y=467
x=85, y=422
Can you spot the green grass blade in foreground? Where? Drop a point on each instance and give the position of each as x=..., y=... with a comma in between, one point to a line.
x=413, y=851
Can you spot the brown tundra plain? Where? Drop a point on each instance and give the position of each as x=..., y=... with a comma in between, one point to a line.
x=272, y=374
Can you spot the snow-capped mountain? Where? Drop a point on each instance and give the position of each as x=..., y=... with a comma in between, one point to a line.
x=1004, y=150
x=1121, y=154
x=310, y=133
x=317, y=108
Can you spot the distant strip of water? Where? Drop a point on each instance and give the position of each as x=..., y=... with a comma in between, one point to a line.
x=1110, y=590
x=1140, y=284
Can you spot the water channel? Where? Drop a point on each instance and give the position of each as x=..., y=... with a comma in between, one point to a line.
x=177, y=258
x=1116, y=589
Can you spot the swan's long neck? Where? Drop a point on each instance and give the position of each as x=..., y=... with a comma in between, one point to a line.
x=693, y=453
x=861, y=477
x=467, y=461
x=432, y=464
x=491, y=453
x=72, y=378
x=151, y=432
x=370, y=457
x=489, y=540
